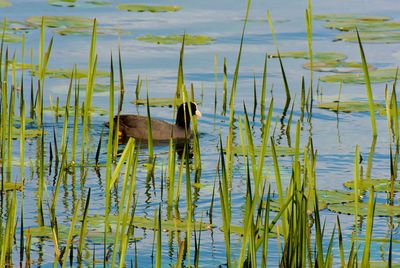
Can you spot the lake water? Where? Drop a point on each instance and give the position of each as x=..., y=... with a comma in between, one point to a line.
x=334, y=137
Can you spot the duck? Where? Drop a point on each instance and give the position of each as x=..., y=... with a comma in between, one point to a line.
x=135, y=126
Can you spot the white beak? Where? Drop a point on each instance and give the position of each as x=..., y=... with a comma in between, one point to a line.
x=198, y=113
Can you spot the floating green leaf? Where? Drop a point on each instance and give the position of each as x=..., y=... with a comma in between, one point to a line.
x=147, y=8
x=75, y=3
x=380, y=185
x=336, y=66
x=97, y=237
x=380, y=209
x=335, y=196
x=280, y=150
x=176, y=39
x=317, y=56
x=376, y=76
x=159, y=102
x=61, y=21
x=17, y=162
x=99, y=88
x=363, y=26
x=349, y=106
x=87, y=31
x=15, y=25
x=235, y=229
x=29, y=133
x=61, y=110
x=4, y=3
x=11, y=38
x=141, y=222
x=10, y=186
x=46, y=231
x=62, y=3
x=99, y=3
x=370, y=37
x=349, y=17
x=66, y=73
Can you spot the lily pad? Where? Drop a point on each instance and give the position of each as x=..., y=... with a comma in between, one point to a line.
x=349, y=106
x=75, y=3
x=274, y=205
x=147, y=8
x=176, y=39
x=337, y=66
x=99, y=88
x=10, y=186
x=15, y=26
x=16, y=161
x=29, y=133
x=380, y=209
x=159, y=102
x=335, y=196
x=280, y=150
x=349, y=17
x=62, y=3
x=11, y=38
x=376, y=76
x=46, y=231
x=370, y=37
x=235, y=229
x=61, y=110
x=99, y=3
x=66, y=73
x=363, y=26
x=87, y=31
x=97, y=237
x=5, y=3
x=142, y=222
x=61, y=21
x=380, y=185
x=317, y=56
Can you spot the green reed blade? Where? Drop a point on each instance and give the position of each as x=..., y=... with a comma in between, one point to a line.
x=369, y=228
x=171, y=173
x=91, y=70
x=149, y=129
x=390, y=249
x=138, y=87
x=189, y=205
x=236, y=73
x=21, y=231
x=2, y=45
x=126, y=230
x=285, y=83
x=340, y=238
x=8, y=238
x=71, y=233
x=83, y=226
x=76, y=119
x=181, y=250
x=10, y=130
x=264, y=254
x=289, y=123
x=356, y=191
x=124, y=155
x=368, y=87
x=180, y=78
x=225, y=88
x=309, y=39
x=264, y=141
x=263, y=90
x=119, y=235
x=159, y=245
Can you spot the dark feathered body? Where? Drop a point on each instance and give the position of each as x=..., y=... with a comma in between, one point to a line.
x=136, y=126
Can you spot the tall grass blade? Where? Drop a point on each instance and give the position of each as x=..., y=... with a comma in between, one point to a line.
x=368, y=87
